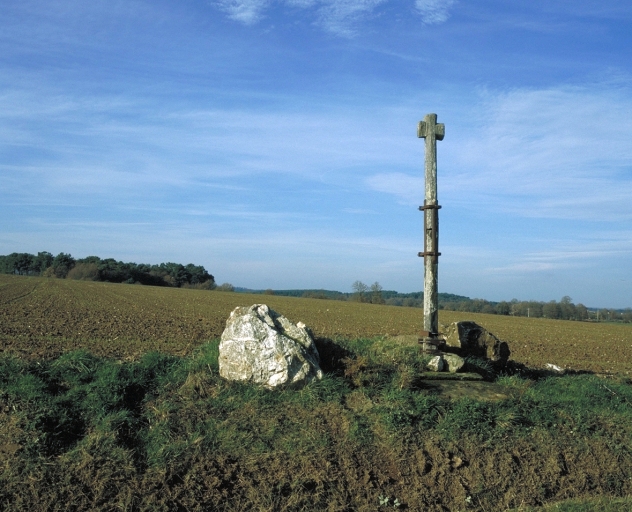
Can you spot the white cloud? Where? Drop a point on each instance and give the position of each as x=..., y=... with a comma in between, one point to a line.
x=301, y=3
x=562, y=152
x=113, y=147
x=569, y=254
x=337, y=16
x=567, y=151
x=434, y=11
x=248, y=12
x=410, y=188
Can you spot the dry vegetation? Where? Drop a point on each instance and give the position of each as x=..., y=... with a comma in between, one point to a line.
x=42, y=318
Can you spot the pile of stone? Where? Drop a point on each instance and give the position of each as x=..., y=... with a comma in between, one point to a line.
x=468, y=339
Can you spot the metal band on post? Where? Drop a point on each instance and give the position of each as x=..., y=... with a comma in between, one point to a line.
x=431, y=230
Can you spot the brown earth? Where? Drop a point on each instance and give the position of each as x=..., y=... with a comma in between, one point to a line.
x=40, y=318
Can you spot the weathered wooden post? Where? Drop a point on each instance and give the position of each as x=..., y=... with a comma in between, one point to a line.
x=431, y=131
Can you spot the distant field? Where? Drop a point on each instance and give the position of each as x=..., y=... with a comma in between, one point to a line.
x=40, y=318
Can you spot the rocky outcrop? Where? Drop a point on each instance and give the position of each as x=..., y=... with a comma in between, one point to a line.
x=261, y=346
x=470, y=339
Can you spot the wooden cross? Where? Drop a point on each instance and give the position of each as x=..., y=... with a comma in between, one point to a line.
x=432, y=132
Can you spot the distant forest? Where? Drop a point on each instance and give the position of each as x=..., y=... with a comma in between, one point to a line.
x=93, y=268
x=565, y=309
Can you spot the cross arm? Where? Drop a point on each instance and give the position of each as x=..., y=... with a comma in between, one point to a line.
x=423, y=127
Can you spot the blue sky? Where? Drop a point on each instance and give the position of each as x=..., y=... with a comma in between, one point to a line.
x=274, y=142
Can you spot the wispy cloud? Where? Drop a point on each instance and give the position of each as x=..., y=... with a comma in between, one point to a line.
x=569, y=254
x=566, y=150
x=337, y=16
x=562, y=152
x=409, y=188
x=434, y=11
x=247, y=12
x=115, y=147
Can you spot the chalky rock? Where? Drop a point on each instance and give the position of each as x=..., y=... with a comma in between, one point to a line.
x=470, y=339
x=436, y=364
x=261, y=346
x=555, y=368
x=453, y=363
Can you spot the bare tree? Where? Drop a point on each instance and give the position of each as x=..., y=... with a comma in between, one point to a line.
x=360, y=290
x=376, y=293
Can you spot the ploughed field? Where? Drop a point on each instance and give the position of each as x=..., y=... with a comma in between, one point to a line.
x=111, y=399
x=41, y=318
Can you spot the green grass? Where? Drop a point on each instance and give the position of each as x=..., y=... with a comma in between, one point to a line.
x=587, y=505
x=166, y=433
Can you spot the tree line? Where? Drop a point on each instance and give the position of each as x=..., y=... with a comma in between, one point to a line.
x=93, y=268
x=373, y=294
x=565, y=309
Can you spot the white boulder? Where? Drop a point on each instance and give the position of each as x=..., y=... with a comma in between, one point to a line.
x=261, y=346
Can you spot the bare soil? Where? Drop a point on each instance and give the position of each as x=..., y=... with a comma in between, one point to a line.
x=41, y=318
